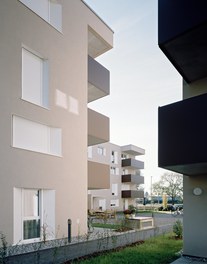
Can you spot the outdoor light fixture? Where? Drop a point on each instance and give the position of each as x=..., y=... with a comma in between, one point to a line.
x=197, y=191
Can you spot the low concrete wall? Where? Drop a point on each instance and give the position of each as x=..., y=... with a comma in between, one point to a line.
x=141, y=222
x=106, y=241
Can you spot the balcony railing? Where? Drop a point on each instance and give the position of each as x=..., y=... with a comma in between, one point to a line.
x=98, y=80
x=134, y=179
x=133, y=163
x=132, y=194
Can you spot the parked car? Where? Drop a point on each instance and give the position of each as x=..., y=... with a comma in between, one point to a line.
x=178, y=207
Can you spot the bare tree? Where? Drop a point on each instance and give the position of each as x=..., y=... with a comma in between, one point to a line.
x=171, y=184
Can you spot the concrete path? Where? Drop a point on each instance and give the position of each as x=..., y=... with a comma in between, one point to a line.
x=188, y=260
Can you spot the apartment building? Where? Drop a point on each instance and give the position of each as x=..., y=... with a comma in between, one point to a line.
x=123, y=186
x=48, y=75
x=182, y=129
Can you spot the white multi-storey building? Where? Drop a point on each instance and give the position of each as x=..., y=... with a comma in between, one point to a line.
x=125, y=176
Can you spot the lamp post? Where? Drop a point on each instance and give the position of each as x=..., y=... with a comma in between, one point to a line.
x=151, y=197
x=151, y=190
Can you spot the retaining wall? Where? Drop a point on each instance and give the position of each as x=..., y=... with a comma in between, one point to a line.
x=61, y=253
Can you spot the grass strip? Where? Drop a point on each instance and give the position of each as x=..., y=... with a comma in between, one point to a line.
x=158, y=250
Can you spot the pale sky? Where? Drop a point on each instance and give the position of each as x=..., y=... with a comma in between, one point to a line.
x=142, y=78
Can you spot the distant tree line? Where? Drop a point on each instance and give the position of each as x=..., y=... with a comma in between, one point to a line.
x=170, y=184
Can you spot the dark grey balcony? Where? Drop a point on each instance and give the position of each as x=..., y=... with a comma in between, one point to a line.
x=133, y=163
x=135, y=179
x=98, y=80
x=132, y=194
x=182, y=143
x=182, y=27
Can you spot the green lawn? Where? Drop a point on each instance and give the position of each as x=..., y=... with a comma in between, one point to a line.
x=158, y=250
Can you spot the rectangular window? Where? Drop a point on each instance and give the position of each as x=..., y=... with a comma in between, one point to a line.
x=125, y=171
x=33, y=208
x=117, y=171
x=115, y=203
x=113, y=170
x=102, y=204
x=36, y=137
x=114, y=157
x=55, y=11
x=31, y=214
x=34, y=79
x=90, y=152
x=124, y=156
x=49, y=10
x=101, y=151
x=114, y=189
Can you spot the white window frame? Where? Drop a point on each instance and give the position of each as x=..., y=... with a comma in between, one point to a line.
x=55, y=15
x=52, y=14
x=114, y=203
x=125, y=171
x=101, y=151
x=46, y=214
x=117, y=171
x=39, y=94
x=49, y=141
x=114, y=189
x=114, y=157
x=113, y=170
x=25, y=218
x=90, y=152
x=124, y=156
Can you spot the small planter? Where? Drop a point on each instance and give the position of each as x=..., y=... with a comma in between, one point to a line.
x=130, y=213
x=127, y=216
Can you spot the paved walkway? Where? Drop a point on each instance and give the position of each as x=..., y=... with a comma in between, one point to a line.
x=187, y=260
x=160, y=219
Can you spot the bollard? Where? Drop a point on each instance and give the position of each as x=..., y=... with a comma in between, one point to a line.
x=69, y=230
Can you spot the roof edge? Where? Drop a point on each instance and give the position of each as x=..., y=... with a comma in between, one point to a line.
x=97, y=15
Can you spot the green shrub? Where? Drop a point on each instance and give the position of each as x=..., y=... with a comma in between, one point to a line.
x=178, y=229
x=3, y=248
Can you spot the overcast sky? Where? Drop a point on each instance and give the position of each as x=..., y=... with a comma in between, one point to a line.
x=142, y=78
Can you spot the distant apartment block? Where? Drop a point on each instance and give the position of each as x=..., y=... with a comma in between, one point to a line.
x=48, y=75
x=121, y=187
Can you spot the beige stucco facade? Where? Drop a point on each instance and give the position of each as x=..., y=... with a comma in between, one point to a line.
x=66, y=52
